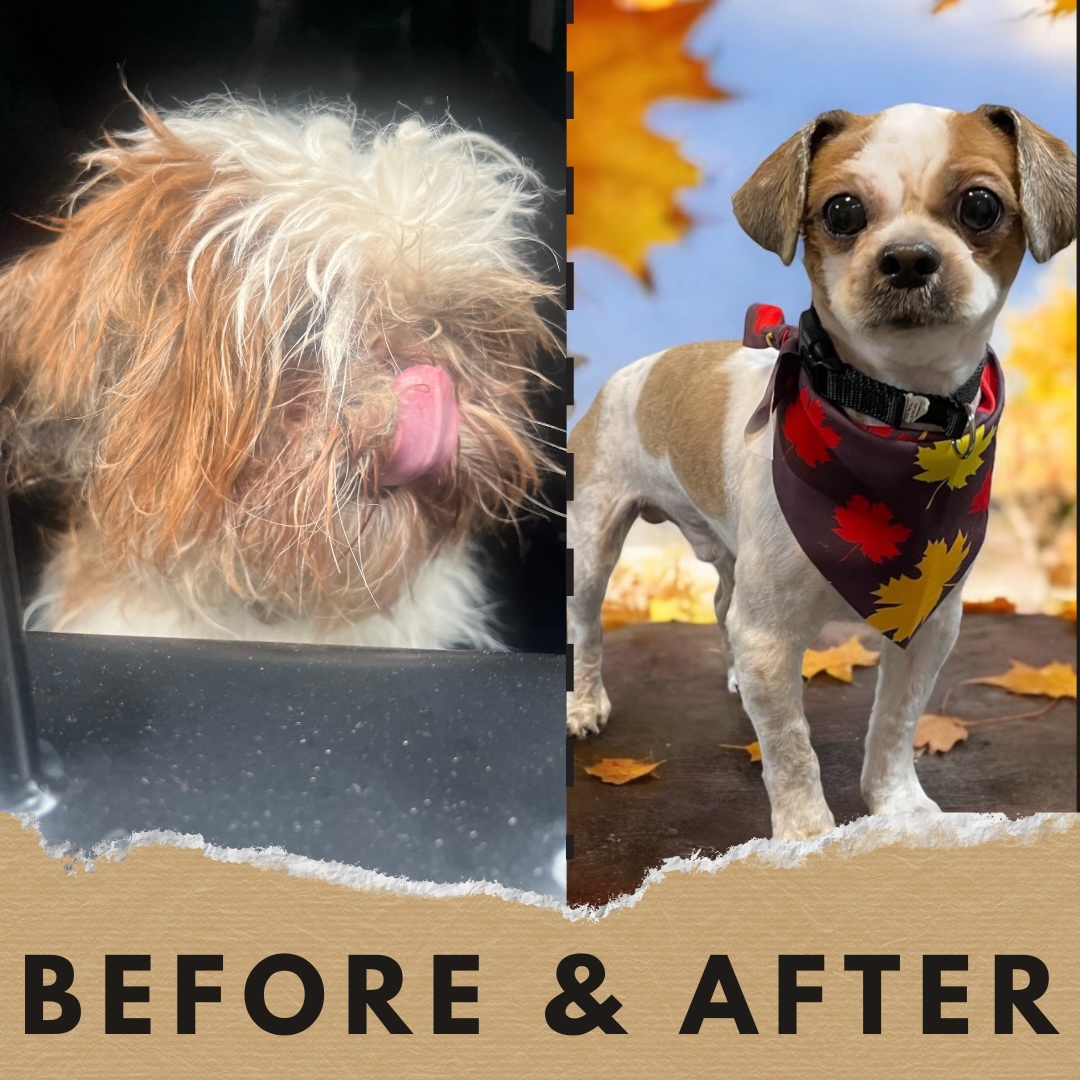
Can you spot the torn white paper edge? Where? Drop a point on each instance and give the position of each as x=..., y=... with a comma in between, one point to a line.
x=916, y=831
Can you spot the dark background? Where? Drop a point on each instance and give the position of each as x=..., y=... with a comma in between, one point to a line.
x=495, y=65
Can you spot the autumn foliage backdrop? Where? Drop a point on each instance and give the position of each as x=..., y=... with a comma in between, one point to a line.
x=635, y=241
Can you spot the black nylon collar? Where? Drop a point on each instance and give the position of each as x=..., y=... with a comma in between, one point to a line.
x=851, y=389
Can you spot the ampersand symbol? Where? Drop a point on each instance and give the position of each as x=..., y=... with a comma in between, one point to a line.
x=597, y=1014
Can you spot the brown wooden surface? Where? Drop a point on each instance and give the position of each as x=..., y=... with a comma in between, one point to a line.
x=669, y=701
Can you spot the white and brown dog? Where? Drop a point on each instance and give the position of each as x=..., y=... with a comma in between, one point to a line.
x=915, y=221
x=276, y=369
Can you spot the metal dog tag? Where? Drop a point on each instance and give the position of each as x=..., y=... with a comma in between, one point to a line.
x=915, y=406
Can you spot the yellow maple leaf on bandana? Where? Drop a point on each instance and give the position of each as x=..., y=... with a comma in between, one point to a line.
x=905, y=602
x=944, y=462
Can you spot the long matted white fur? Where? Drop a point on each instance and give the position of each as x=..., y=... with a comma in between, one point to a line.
x=200, y=369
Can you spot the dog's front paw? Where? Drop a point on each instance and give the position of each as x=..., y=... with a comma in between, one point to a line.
x=888, y=804
x=803, y=824
x=587, y=714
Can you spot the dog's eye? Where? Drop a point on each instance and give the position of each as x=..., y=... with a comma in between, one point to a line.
x=979, y=210
x=844, y=215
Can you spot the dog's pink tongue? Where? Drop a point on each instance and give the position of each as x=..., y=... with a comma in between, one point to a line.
x=427, y=425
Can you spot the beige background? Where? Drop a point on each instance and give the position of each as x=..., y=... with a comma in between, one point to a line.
x=1001, y=896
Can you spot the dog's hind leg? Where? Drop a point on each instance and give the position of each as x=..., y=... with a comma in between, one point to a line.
x=597, y=523
x=725, y=567
x=906, y=679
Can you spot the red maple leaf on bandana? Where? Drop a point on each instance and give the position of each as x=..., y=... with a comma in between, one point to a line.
x=870, y=527
x=804, y=427
x=980, y=501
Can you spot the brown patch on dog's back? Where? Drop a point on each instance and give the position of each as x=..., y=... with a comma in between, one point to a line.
x=681, y=416
x=583, y=439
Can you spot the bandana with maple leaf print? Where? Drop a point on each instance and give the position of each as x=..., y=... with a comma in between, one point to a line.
x=892, y=517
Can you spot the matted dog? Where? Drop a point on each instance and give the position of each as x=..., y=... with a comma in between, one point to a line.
x=842, y=466
x=275, y=368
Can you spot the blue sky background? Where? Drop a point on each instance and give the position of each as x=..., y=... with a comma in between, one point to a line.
x=785, y=61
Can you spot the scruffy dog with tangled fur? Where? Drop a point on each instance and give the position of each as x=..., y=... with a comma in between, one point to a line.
x=276, y=367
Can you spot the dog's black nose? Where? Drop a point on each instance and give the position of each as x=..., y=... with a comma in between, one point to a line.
x=907, y=266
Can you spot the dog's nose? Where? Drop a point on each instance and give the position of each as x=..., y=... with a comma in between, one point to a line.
x=907, y=266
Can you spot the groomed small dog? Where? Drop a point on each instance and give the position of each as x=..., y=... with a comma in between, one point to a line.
x=844, y=466
x=277, y=368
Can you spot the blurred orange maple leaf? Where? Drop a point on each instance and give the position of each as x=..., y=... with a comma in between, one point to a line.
x=998, y=606
x=659, y=585
x=624, y=58
x=1035, y=473
x=1037, y=449
x=1052, y=8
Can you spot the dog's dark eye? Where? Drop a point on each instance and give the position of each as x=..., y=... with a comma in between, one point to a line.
x=844, y=215
x=979, y=210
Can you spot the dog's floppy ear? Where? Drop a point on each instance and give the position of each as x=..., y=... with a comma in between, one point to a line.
x=1047, y=169
x=770, y=205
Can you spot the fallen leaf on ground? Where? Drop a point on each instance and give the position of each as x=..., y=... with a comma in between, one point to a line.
x=838, y=661
x=1055, y=680
x=998, y=606
x=621, y=770
x=753, y=749
x=939, y=733
x=1068, y=611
